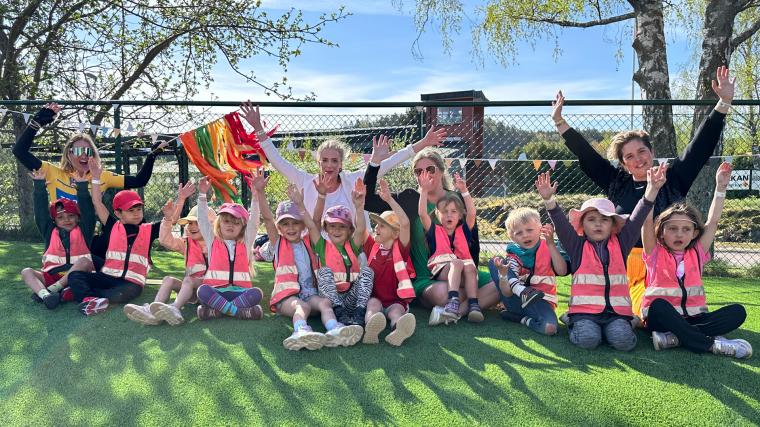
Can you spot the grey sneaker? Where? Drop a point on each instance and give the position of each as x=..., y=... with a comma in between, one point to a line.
x=344, y=336
x=140, y=314
x=739, y=349
x=451, y=311
x=663, y=340
x=404, y=329
x=166, y=312
x=304, y=338
x=530, y=295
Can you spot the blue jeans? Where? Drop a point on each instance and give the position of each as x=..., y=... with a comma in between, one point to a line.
x=540, y=313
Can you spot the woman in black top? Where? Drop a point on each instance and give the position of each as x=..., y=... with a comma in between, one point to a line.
x=624, y=185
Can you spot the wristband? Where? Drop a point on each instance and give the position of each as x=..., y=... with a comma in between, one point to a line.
x=261, y=135
x=465, y=194
x=550, y=199
x=321, y=196
x=720, y=194
x=374, y=165
x=201, y=195
x=560, y=122
x=96, y=181
x=724, y=104
x=34, y=124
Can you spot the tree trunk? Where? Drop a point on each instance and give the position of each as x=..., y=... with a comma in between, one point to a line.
x=24, y=188
x=652, y=76
x=716, y=51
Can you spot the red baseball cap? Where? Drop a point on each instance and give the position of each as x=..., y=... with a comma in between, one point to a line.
x=126, y=199
x=64, y=205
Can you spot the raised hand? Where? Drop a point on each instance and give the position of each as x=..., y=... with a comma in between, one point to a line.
x=434, y=137
x=95, y=168
x=559, y=101
x=425, y=181
x=252, y=115
x=169, y=209
x=385, y=191
x=295, y=195
x=501, y=265
x=656, y=176
x=547, y=233
x=544, y=186
x=381, y=149
x=722, y=176
x=204, y=185
x=38, y=174
x=460, y=183
x=724, y=85
x=186, y=190
x=323, y=183
x=359, y=193
x=259, y=181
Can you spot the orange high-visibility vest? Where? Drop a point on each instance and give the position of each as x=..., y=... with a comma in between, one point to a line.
x=595, y=284
x=687, y=294
x=128, y=261
x=542, y=276
x=223, y=271
x=444, y=252
x=286, y=271
x=56, y=255
x=404, y=270
x=196, y=263
x=334, y=261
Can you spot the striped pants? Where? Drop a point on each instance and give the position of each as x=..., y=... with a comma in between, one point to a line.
x=356, y=296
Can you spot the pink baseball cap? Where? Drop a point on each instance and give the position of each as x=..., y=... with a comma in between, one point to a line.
x=126, y=199
x=338, y=214
x=235, y=210
x=603, y=206
x=288, y=209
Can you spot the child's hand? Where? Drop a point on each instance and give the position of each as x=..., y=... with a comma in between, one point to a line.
x=323, y=183
x=381, y=149
x=723, y=176
x=295, y=195
x=39, y=174
x=547, y=233
x=186, y=190
x=204, y=185
x=656, y=176
x=433, y=137
x=95, y=168
x=425, y=180
x=168, y=209
x=252, y=115
x=544, y=185
x=360, y=191
x=501, y=265
x=259, y=181
x=459, y=183
x=385, y=191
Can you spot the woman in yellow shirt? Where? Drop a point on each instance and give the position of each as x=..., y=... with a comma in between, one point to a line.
x=75, y=160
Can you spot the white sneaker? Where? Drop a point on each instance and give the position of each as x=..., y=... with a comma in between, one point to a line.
x=739, y=349
x=304, y=338
x=663, y=340
x=372, y=329
x=404, y=329
x=167, y=312
x=436, y=316
x=344, y=336
x=140, y=314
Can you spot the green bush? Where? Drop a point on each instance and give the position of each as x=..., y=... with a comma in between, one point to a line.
x=719, y=268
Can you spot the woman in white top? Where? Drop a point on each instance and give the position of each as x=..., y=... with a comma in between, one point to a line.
x=331, y=155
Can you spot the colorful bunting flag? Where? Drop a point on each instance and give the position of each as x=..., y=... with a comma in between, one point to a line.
x=522, y=157
x=729, y=159
x=536, y=164
x=492, y=163
x=552, y=163
x=567, y=163
x=26, y=117
x=462, y=162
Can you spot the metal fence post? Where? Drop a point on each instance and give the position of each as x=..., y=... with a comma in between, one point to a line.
x=420, y=121
x=117, y=143
x=184, y=174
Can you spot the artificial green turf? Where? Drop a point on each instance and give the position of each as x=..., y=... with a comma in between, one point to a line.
x=59, y=367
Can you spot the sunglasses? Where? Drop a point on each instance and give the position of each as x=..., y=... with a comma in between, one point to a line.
x=430, y=169
x=78, y=151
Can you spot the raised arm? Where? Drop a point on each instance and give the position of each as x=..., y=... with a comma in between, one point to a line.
x=259, y=183
x=432, y=138
x=204, y=225
x=403, y=220
x=722, y=176
x=426, y=184
x=321, y=183
x=372, y=202
x=146, y=171
x=469, y=203
x=97, y=196
x=21, y=150
x=631, y=231
x=292, y=173
x=41, y=202
x=296, y=196
x=360, y=224
x=184, y=192
x=565, y=231
x=252, y=226
x=558, y=261
x=87, y=217
x=165, y=236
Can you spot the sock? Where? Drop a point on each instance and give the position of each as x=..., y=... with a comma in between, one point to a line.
x=298, y=324
x=472, y=301
x=453, y=294
x=42, y=293
x=518, y=289
x=248, y=298
x=331, y=324
x=526, y=321
x=55, y=287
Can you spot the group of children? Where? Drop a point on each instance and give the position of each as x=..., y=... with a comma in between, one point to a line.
x=327, y=262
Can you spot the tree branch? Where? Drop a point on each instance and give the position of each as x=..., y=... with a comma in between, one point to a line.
x=746, y=34
x=587, y=24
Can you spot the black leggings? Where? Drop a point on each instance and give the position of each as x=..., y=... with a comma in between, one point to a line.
x=695, y=333
x=101, y=285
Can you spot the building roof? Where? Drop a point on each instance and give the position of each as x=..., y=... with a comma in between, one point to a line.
x=474, y=95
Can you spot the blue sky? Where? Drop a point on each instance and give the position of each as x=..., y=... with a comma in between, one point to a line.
x=374, y=62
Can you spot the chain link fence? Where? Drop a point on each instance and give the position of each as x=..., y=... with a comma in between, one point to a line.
x=498, y=150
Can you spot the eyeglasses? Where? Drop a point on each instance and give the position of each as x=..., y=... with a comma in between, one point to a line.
x=78, y=151
x=430, y=169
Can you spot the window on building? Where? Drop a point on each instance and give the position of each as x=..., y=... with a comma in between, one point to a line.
x=449, y=115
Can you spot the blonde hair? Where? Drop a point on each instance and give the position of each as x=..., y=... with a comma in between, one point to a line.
x=679, y=209
x=434, y=156
x=521, y=216
x=334, y=144
x=451, y=197
x=65, y=162
x=615, y=151
x=218, y=226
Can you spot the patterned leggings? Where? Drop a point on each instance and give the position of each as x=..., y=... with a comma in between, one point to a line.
x=356, y=296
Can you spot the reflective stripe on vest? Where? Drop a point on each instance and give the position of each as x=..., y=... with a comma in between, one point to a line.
x=688, y=293
x=223, y=271
x=195, y=261
x=542, y=275
x=404, y=271
x=334, y=261
x=57, y=255
x=593, y=287
x=128, y=261
x=443, y=250
x=286, y=272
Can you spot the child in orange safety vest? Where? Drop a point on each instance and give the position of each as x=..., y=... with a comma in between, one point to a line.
x=597, y=241
x=676, y=248
x=67, y=227
x=227, y=288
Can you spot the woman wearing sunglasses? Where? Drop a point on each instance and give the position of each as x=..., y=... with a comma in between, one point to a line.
x=74, y=160
x=433, y=292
